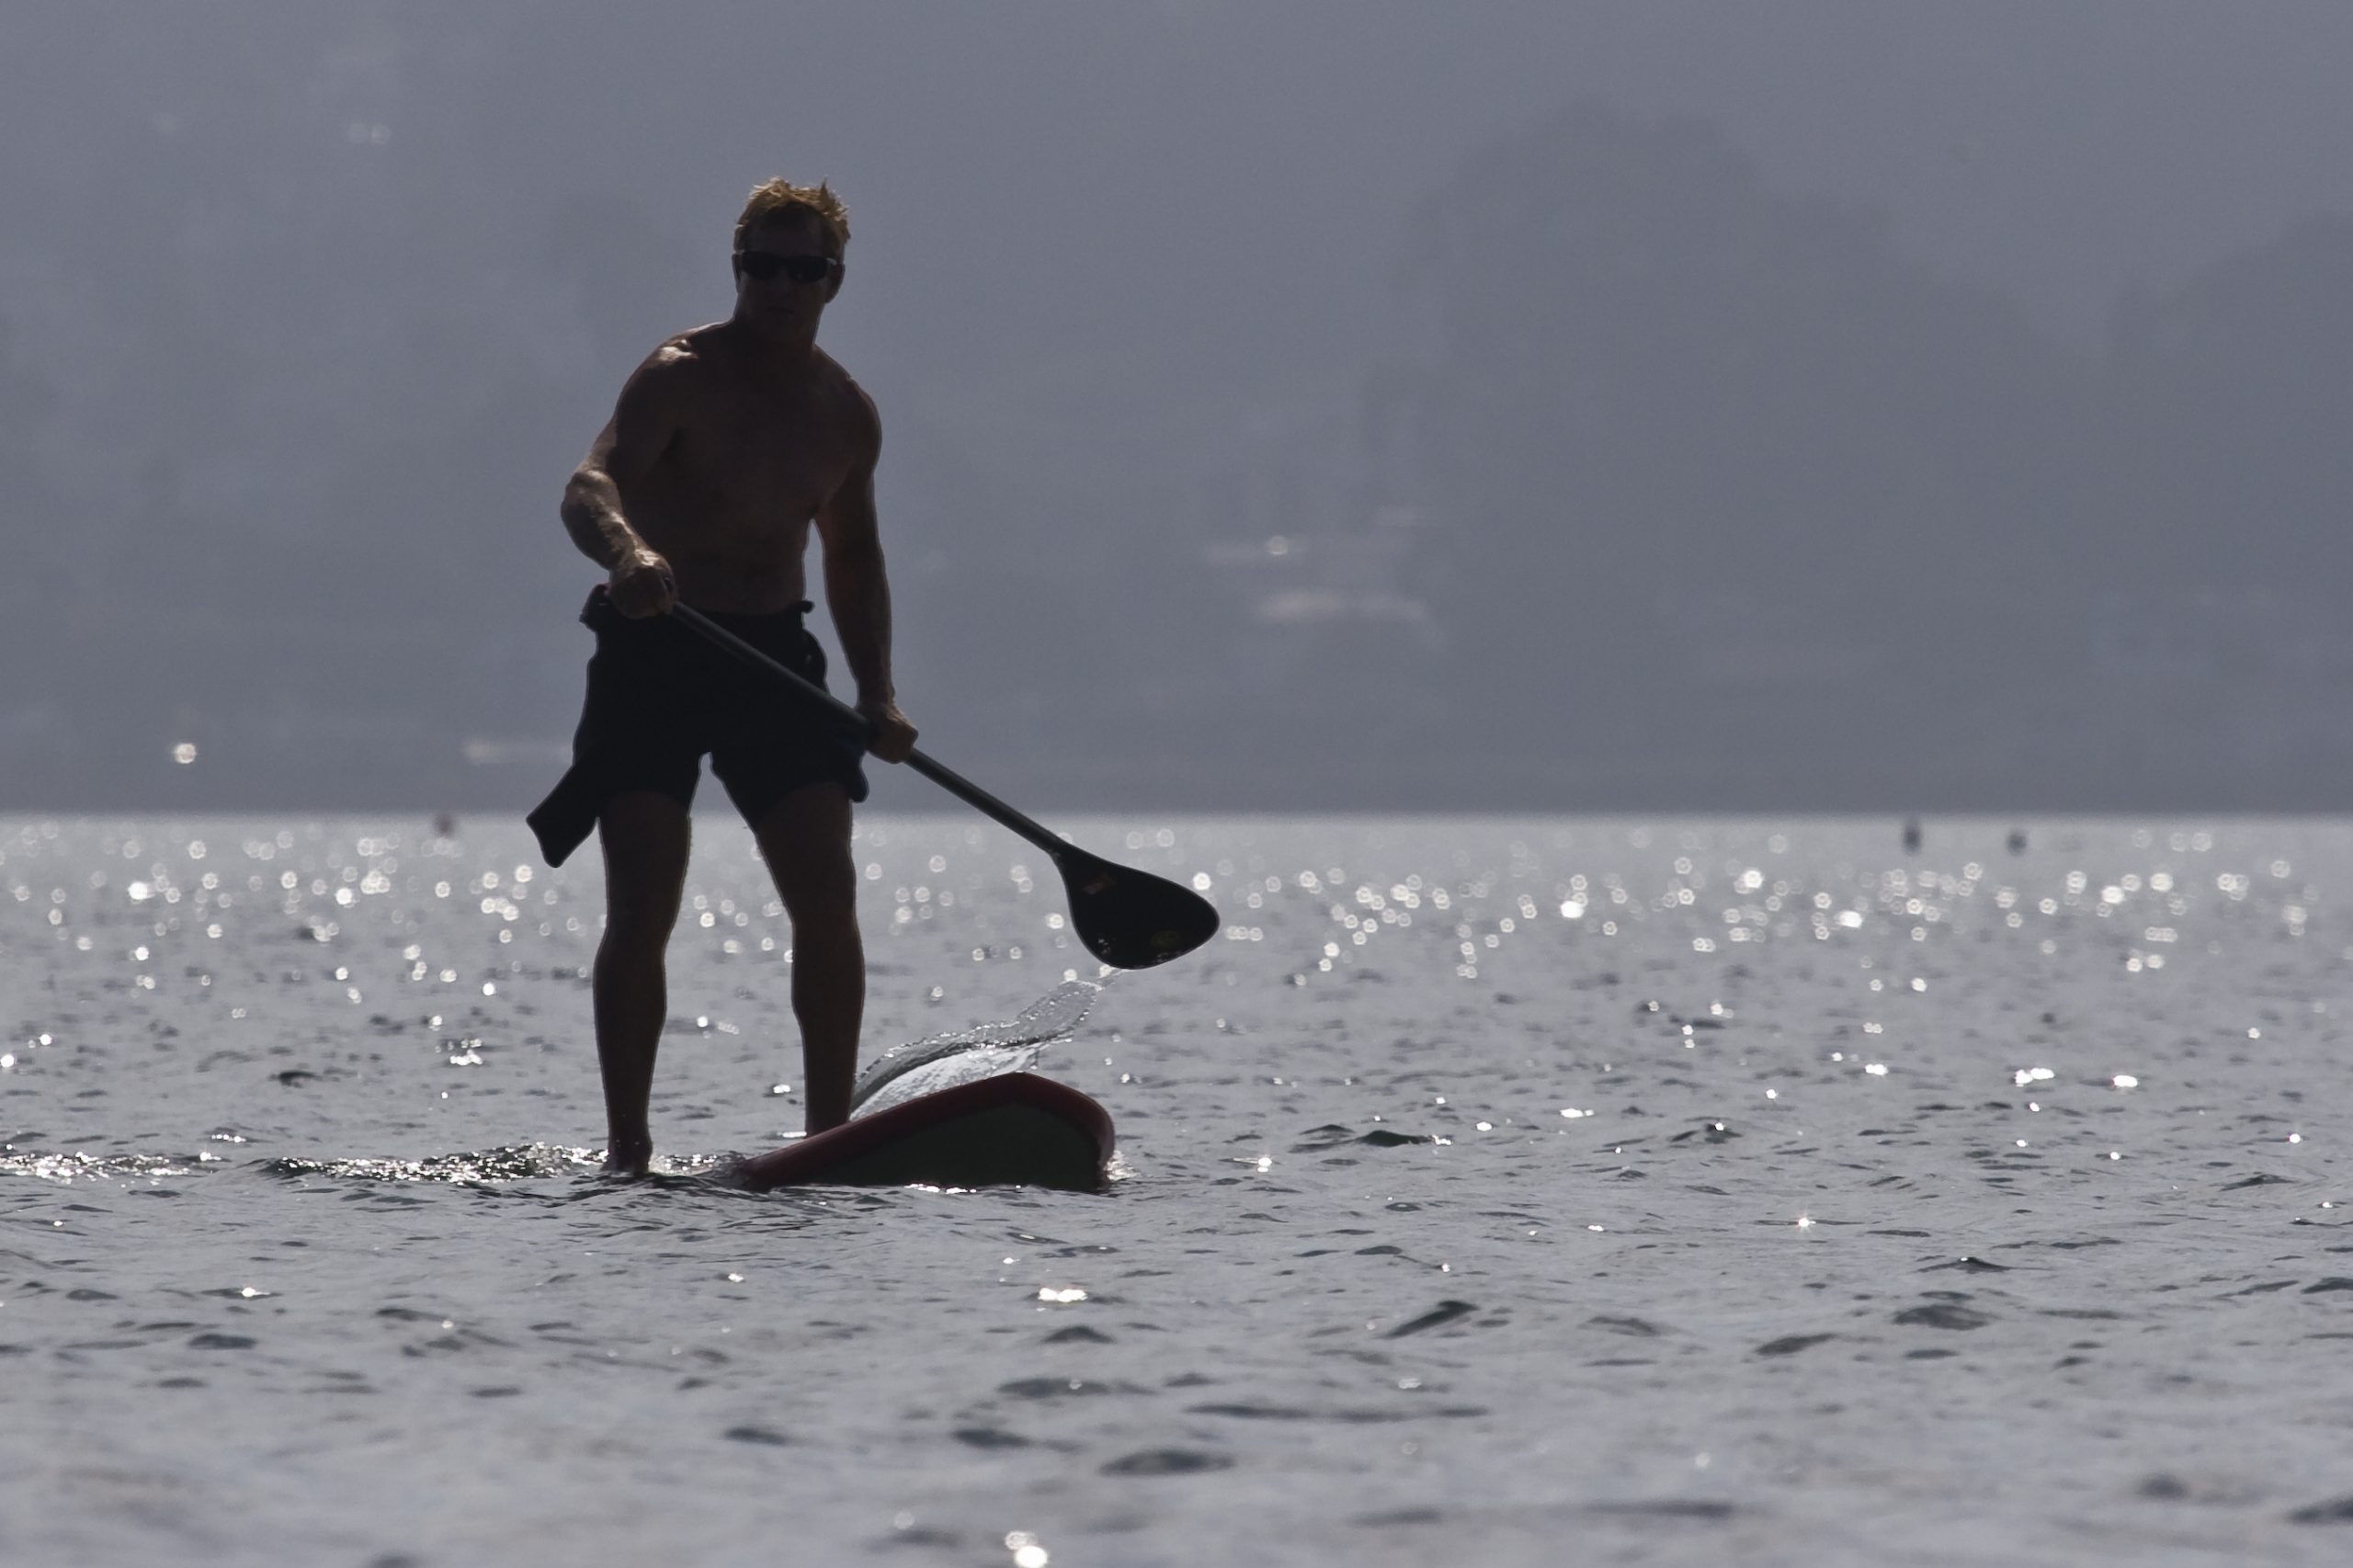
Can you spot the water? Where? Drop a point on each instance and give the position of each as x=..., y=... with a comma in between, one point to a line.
x=1495, y=1191
x=900, y=1073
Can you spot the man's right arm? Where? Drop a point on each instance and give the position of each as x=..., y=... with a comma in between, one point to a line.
x=644, y=423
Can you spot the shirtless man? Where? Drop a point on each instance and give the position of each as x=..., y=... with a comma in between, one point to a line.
x=726, y=444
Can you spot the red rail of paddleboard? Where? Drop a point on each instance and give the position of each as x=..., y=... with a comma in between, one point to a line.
x=1014, y=1130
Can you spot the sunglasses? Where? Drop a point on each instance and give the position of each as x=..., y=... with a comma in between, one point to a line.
x=762, y=266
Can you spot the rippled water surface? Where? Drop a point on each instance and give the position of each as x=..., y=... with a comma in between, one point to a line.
x=1495, y=1191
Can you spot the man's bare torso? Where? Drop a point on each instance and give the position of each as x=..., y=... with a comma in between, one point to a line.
x=756, y=451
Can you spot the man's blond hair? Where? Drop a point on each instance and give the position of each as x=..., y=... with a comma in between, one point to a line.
x=778, y=198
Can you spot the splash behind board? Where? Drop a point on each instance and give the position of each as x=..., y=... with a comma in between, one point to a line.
x=1013, y=1045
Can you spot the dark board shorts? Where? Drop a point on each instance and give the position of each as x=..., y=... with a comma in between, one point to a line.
x=660, y=699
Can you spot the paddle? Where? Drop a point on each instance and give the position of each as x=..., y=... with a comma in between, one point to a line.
x=1130, y=919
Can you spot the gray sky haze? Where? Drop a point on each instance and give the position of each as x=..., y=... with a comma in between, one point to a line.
x=1297, y=405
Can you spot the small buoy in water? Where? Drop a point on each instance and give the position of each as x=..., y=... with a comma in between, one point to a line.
x=2018, y=841
x=1911, y=832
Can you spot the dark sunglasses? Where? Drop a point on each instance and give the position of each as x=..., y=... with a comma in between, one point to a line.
x=762, y=266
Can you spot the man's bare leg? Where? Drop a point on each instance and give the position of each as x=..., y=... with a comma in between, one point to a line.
x=644, y=837
x=805, y=840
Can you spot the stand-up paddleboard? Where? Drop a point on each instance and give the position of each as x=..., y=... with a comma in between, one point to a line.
x=1014, y=1130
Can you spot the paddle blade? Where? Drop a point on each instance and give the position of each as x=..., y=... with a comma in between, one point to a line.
x=1131, y=919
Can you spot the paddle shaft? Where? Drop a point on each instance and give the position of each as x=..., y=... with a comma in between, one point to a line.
x=856, y=724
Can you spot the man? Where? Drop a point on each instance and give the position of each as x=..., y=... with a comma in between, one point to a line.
x=726, y=444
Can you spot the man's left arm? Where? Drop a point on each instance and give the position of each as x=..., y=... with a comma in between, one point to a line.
x=858, y=589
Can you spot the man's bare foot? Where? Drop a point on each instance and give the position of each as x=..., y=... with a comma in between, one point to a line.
x=629, y=1159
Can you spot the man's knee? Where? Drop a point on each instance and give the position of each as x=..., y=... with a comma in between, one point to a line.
x=645, y=841
x=636, y=931
x=822, y=902
x=805, y=840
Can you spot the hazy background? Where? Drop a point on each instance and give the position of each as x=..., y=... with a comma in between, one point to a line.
x=1639, y=405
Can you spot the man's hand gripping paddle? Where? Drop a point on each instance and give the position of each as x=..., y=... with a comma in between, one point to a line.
x=1128, y=919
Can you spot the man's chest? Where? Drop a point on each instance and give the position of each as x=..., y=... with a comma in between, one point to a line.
x=787, y=452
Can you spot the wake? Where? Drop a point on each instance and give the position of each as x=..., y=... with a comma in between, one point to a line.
x=969, y=1056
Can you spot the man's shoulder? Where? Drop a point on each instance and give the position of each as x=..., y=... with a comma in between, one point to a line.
x=681, y=353
x=674, y=369
x=858, y=406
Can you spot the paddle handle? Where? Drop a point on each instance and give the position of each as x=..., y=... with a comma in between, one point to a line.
x=857, y=725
